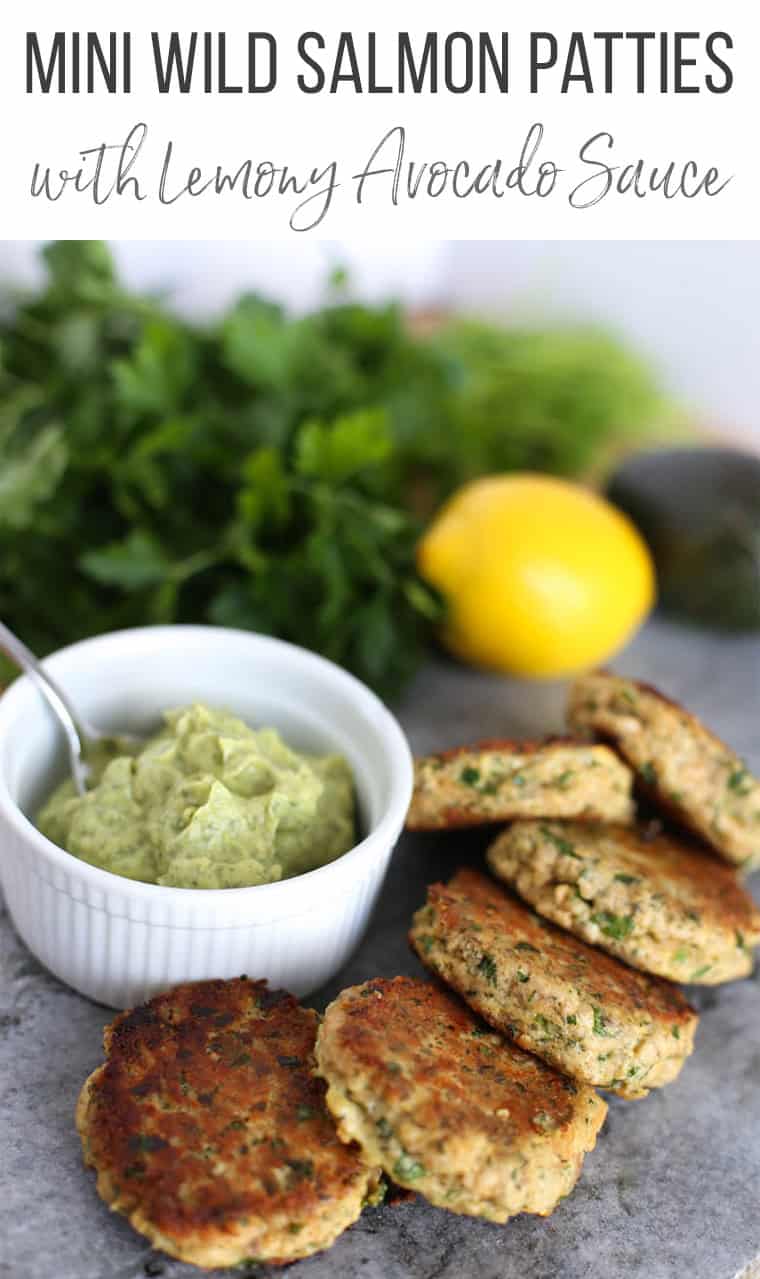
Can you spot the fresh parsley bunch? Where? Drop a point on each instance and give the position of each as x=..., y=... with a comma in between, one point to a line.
x=265, y=472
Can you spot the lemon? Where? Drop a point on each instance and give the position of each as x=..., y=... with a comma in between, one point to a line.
x=541, y=577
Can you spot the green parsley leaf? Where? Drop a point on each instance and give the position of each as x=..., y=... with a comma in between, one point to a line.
x=137, y=561
x=337, y=451
x=30, y=475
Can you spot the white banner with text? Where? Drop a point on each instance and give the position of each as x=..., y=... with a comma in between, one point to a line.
x=553, y=120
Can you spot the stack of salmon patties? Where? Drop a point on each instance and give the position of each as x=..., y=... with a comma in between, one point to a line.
x=558, y=969
x=572, y=945
x=229, y=1123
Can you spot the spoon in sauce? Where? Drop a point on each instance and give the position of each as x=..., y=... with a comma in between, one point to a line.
x=83, y=741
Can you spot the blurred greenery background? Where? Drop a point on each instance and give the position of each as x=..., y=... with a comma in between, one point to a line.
x=271, y=471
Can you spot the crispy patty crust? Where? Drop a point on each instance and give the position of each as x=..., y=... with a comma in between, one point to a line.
x=208, y=1129
x=659, y=904
x=684, y=767
x=584, y=1012
x=448, y=1107
x=501, y=780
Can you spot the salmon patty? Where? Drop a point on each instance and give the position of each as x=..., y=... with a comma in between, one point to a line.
x=501, y=780
x=657, y=903
x=209, y=1131
x=582, y=1011
x=448, y=1107
x=686, y=769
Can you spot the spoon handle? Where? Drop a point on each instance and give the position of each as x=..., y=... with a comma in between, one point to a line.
x=56, y=699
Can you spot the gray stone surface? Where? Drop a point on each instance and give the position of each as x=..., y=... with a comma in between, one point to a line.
x=673, y=1188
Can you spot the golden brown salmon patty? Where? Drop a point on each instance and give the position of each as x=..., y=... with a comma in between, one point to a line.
x=686, y=769
x=584, y=1012
x=657, y=903
x=449, y=1108
x=208, y=1129
x=501, y=780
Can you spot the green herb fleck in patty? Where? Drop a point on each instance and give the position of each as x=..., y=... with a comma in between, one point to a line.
x=700, y=972
x=616, y=926
x=740, y=781
x=549, y=1028
x=600, y=1023
x=544, y=1121
x=147, y=1143
x=406, y=1168
x=488, y=967
x=560, y=843
x=302, y=1169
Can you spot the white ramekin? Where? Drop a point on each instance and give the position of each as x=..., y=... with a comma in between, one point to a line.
x=119, y=941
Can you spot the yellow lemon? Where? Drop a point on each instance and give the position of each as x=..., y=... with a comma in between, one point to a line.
x=541, y=577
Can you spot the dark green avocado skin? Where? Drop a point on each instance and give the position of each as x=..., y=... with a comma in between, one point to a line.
x=699, y=510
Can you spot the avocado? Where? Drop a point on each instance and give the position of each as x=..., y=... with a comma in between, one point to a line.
x=699, y=511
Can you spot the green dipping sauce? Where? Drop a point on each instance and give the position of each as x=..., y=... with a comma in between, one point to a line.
x=207, y=803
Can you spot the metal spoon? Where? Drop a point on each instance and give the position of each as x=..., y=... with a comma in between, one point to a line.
x=81, y=738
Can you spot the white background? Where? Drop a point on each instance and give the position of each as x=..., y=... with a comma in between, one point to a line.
x=289, y=127
x=692, y=307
